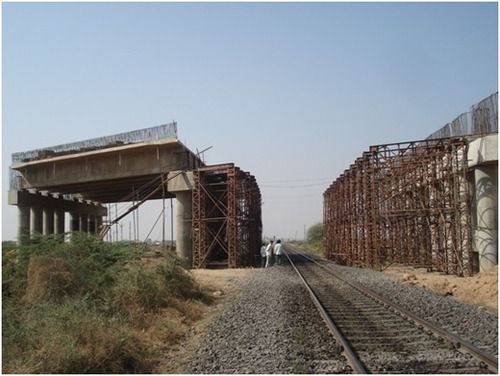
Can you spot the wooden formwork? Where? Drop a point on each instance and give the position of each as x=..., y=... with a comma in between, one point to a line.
x=227, y=226
x=405, y=203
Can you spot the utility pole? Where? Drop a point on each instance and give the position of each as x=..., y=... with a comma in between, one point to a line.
x=163, y=216
x=171, y=224
x=116, y=228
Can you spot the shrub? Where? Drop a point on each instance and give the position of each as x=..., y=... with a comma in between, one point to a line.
x=49, y=279
x=85, y=306
x=72, y=337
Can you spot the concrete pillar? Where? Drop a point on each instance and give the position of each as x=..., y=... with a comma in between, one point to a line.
x=59, y=221
x=74, y=222
x=92, y=224
x=48, y=221
x=184, y=225
x=36, y=225
x=84, y=224
x=486, y=231
x=98, y=223
x=23, y=223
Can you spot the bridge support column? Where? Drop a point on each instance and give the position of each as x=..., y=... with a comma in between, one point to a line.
x=23, y=229
x=184, y=239
x=48, y=221
x=84, y=223
x=74, y=222
x=486, y=232
x=59, y=222
x=36, y=226
x=92, y=224
x=98, y=223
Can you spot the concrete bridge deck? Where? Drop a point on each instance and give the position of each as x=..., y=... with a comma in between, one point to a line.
x=110, y=174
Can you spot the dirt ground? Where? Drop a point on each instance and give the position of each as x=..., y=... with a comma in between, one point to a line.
x=480, y=289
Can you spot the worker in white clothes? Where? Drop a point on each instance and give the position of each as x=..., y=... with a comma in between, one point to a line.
x=269, y=254
x=277, y=252
x=263, y=255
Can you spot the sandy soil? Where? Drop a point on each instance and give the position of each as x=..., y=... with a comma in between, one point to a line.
x=480, y=290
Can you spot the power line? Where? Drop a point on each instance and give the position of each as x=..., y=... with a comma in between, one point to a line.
x=326, y=179
x=294, y=186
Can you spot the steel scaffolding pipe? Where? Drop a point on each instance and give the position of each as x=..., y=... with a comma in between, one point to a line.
x=405, y=203
x=227, y=226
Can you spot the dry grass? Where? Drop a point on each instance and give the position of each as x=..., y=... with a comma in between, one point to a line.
x=48, y=279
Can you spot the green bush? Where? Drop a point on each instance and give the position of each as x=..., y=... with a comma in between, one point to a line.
x=315, y=233
x=82, y=305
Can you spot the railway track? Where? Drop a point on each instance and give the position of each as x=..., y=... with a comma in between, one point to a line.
x=378, y=336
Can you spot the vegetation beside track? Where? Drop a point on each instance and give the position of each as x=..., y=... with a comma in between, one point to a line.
x=92, y=307
x=314, y=240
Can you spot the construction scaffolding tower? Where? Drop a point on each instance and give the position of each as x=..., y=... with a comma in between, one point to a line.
x=227, y=226
x=405, y=203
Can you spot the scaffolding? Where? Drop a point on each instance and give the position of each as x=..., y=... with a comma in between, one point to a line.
x=406, y=203
x=227, y=226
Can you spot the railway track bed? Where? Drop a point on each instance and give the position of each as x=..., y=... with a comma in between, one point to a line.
x=379, y=337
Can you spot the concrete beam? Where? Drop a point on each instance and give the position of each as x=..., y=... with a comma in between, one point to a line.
x=483, y=150
x=180, y=183
x=25, y=198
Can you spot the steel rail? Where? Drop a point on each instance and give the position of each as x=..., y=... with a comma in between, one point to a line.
x=350, y=354
x=489, y=360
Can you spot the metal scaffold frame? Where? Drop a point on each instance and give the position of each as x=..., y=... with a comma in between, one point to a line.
x=227, y=226
x=405, y=203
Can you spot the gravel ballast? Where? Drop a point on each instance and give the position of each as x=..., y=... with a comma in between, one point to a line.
x=469, y=322
x=272, y=326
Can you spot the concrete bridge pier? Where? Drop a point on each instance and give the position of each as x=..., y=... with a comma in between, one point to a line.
x=74, y=222
x=98, y=223
x=483, y=162
x=184, y=235
x=182, y=186
x=486, y=233
x=58, y=221
x=92, y=224
x=84, y=223
x=48, y=221
x=36, y=225
x=23, y=221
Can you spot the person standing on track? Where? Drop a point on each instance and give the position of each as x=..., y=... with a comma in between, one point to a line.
x=263, y=255
x=278, y=251
x=269, y=254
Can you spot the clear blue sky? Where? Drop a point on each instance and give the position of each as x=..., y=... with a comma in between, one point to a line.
x=286, y=91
